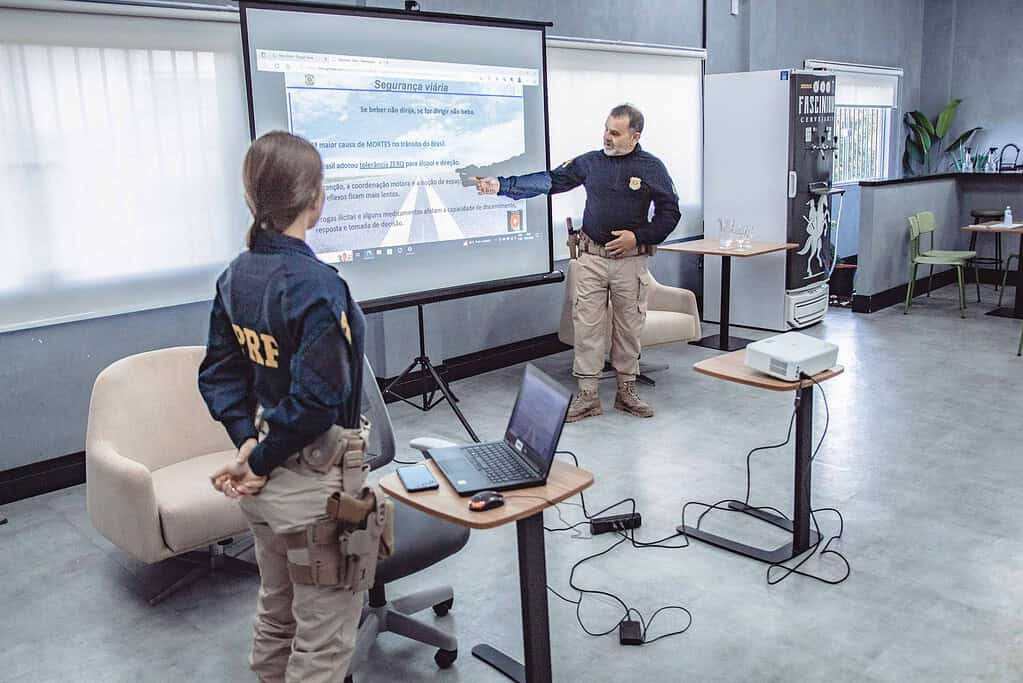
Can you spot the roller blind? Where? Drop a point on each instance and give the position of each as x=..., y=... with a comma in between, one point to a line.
x=586, y=79
x=122, y=139
x=862, y=86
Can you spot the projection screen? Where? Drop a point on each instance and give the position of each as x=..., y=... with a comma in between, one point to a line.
x=405, y=108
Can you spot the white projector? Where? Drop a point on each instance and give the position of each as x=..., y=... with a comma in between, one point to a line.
x=789, y=355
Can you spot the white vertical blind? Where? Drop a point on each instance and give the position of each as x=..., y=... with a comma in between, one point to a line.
x=585, y=80
x=121, y=139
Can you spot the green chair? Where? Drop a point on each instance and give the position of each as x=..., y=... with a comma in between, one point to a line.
x=927, y=225
x=935, y=257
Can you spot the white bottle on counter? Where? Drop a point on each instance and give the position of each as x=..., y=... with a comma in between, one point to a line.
x=1007, y=216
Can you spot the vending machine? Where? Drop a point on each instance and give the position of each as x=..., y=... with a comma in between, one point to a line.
x=769, y=149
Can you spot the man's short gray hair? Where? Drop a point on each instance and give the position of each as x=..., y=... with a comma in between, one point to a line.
x=634, y=115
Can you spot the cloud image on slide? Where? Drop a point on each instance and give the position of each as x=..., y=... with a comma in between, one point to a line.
x=392, y=158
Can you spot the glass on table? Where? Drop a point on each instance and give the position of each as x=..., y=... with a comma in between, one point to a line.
x=746, y=237
x=726, y=233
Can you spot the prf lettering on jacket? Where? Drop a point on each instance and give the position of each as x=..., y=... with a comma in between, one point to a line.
x=253, y=341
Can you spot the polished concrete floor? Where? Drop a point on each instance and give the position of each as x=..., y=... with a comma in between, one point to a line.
x=922, y=456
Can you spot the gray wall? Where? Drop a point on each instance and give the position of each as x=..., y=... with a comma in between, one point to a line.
x=974, y=51
x=875, y=32
x=884, y=231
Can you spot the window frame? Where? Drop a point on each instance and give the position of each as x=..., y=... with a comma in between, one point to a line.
x=892, y=149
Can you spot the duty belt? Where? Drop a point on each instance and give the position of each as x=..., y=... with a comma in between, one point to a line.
x=590, y=247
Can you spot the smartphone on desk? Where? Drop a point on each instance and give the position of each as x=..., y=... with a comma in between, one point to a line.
x=417, y=478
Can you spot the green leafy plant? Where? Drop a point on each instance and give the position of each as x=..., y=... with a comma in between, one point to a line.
x=923, y=155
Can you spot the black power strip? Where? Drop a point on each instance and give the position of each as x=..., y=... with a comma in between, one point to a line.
x=602, y=525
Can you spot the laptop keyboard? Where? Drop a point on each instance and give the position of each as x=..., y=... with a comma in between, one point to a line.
x=493, y=460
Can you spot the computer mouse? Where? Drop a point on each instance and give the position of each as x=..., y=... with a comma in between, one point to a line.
x=486, y=500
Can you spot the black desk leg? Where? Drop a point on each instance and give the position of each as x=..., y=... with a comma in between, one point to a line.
x=803, y=537
x=536, y=635
x=1017, y=308
x=721, y=341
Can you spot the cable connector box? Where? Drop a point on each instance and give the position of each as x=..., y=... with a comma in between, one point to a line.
x=629, y=633
x=602, y=525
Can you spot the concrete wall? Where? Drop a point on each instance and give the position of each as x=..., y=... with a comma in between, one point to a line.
x=974, y=52
x=884, y=229
x=848, y=243
x=875, y=32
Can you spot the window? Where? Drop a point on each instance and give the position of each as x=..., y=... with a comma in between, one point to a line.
x=863, y=140
x=865, y=101
x=122, y=141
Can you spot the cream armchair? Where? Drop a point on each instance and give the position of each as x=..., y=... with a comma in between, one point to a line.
x=150, y=448
x=671, y=316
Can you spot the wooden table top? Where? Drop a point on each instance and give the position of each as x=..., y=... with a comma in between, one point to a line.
x=713, y=247
x=564, y=482
x=732, y=367
x=994, y=227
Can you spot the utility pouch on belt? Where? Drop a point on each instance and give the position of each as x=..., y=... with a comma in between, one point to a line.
x=343, y=550
x=338, y=444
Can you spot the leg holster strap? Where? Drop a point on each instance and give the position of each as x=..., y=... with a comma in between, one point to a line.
x=324, y=552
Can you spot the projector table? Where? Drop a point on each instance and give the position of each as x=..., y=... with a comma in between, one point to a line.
x=731, y=367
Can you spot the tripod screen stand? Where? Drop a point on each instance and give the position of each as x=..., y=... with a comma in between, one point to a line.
x=429, y=398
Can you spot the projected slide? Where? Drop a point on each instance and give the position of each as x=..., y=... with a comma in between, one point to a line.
x=393, y=135
x=404, y=111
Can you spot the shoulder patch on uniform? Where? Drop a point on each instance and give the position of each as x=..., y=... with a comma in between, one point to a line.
x=345, y=327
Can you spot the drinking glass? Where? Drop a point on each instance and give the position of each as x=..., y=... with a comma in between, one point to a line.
x=747, y=237
x=726, y=235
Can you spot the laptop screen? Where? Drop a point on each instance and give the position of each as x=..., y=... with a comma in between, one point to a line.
x=537, y=418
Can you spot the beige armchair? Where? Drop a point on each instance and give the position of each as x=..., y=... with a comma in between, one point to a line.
x=671, y=316
x=150, y=448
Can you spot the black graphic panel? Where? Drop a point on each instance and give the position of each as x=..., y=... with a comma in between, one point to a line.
x=812, y=157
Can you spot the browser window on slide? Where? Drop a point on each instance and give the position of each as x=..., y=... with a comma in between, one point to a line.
x=392, y=171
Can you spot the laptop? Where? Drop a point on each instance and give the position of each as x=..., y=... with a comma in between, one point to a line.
x=524, y=457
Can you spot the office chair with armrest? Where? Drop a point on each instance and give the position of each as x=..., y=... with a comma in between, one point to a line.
x=672, y=316
x=150, y=447
x=420, y=541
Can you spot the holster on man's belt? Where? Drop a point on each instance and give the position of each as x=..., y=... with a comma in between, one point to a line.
x=344, y=548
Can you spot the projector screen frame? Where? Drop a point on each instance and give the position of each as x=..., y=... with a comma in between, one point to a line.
x=552, y=275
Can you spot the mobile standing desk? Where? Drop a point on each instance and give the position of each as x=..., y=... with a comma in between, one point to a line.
x=524, y=507
x=731, y=367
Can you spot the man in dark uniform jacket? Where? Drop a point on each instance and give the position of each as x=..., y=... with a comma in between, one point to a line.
x=622, y=181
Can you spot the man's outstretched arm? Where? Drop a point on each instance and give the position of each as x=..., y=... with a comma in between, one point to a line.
x=565, y=177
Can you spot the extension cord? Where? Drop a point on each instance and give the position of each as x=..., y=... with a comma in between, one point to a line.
x=602, y=525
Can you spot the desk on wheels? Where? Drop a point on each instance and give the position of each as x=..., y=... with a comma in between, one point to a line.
x=721, y=341
x=564, y=482
x=1016, y=311
x=732, y=368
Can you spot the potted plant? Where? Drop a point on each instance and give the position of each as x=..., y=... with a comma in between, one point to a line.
x=923, y=155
